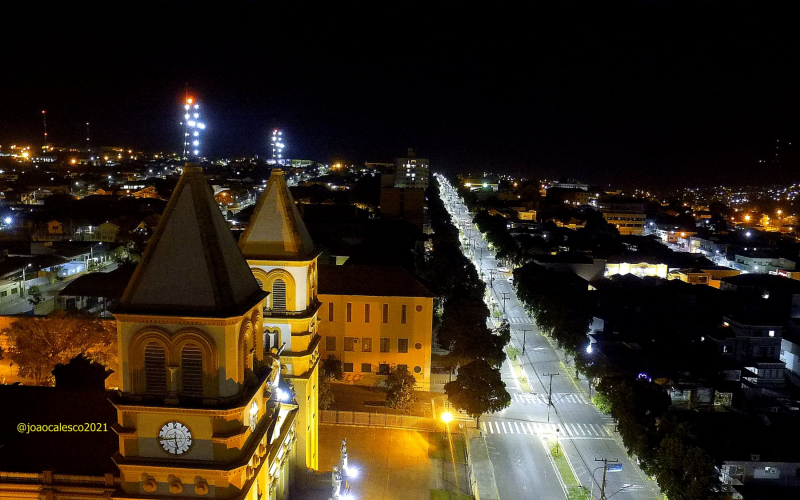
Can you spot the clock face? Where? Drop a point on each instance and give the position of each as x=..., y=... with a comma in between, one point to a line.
x=175, y=438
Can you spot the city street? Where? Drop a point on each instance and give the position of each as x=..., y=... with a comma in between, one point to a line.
x=521, y=464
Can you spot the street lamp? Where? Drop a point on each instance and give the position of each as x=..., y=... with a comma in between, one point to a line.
x=447, y=417
x=24, y=289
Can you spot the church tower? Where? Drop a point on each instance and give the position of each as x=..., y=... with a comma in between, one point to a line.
x=283, y=259
x=198, y=408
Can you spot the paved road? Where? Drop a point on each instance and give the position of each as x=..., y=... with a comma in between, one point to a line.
x=514, y=434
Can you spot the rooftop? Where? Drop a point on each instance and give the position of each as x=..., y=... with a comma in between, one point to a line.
x=376, y=281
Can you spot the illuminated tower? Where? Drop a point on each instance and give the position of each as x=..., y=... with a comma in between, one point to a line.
x=191, y=128
x=44, y=121
x=283, y=259
x=277, y=146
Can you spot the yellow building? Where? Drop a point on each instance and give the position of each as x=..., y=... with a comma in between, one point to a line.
x=376, y=319
x=640, y=269
x=198, y=416
x=282, y=257
x=199, y=411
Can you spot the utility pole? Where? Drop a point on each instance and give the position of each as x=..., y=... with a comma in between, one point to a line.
x=605, y=468
x=504, y=300
x=550, y=393
x=524, y=331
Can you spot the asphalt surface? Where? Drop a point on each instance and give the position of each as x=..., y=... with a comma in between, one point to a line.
x=521, y=465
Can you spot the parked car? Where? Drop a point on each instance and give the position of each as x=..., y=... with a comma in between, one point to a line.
x=502, y=269
x=510, y=279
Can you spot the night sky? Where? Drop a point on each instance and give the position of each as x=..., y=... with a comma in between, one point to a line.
x=642, y=93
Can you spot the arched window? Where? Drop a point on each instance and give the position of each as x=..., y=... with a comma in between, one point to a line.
x=155, y=369
x=192, y=370
x=278, y=295
x=260, y=284
x=246, y=350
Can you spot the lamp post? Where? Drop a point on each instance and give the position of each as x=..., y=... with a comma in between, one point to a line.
x=447, y=417
x=524, y=331
x=24, y=288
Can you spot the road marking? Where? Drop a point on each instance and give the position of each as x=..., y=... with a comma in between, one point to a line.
x=483, y=426
x=504, y=428
x=530, y=428
x=516, y=427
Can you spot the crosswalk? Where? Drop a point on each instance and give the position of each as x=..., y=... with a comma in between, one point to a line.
x=516, y=320
x=586, y=431
x=542, y=399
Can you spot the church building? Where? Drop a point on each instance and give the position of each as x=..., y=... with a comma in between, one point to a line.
x=283, y=259
x=203, y=409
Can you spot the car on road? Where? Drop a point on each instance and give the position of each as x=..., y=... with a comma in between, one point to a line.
x=510, y=279
x=502, y=269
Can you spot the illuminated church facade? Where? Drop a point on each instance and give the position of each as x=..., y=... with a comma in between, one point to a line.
x=209, y=332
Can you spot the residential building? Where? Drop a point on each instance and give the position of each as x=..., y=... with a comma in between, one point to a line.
x=626, y=214
x=411, y=172
x=751, y=344
x=407, y=204
x=376, y=319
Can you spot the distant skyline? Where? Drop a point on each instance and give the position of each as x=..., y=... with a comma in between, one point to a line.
x=646, y=92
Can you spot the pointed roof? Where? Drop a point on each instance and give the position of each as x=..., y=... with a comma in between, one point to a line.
x=276, y=231
x=192, y=266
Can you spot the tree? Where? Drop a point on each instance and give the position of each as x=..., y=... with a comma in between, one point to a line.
x=685, y=471
x=465, y=334
x=400, y=390
x=42, y=343
x=478, y=389
x=326, y=396
x=35, y=296
x=332, y=367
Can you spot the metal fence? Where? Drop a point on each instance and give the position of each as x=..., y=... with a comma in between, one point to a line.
x=381, y=420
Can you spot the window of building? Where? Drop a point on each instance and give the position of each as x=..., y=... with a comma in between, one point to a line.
x=366, y=368
x=385, y=313
x=766, y=352
x=330, y=311
x=192, y=371
x=385, y=344
x=366, y=344
x=349, y=312
x=330, y=343
x=402, y=345
x=155, y=369
x=772, y=333
x=383, y=369
x=279, y=295
x=349, y=342
x=402, y=367
x=4, y=293
x=347, y=367
x=366, y=313
x=403, y=314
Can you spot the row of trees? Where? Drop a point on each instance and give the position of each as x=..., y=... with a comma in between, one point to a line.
x=495, y=229
x=666, y=448
x=474, y=349
x=559, y=302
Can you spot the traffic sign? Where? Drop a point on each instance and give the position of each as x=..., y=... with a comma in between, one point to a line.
x=614, y=468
